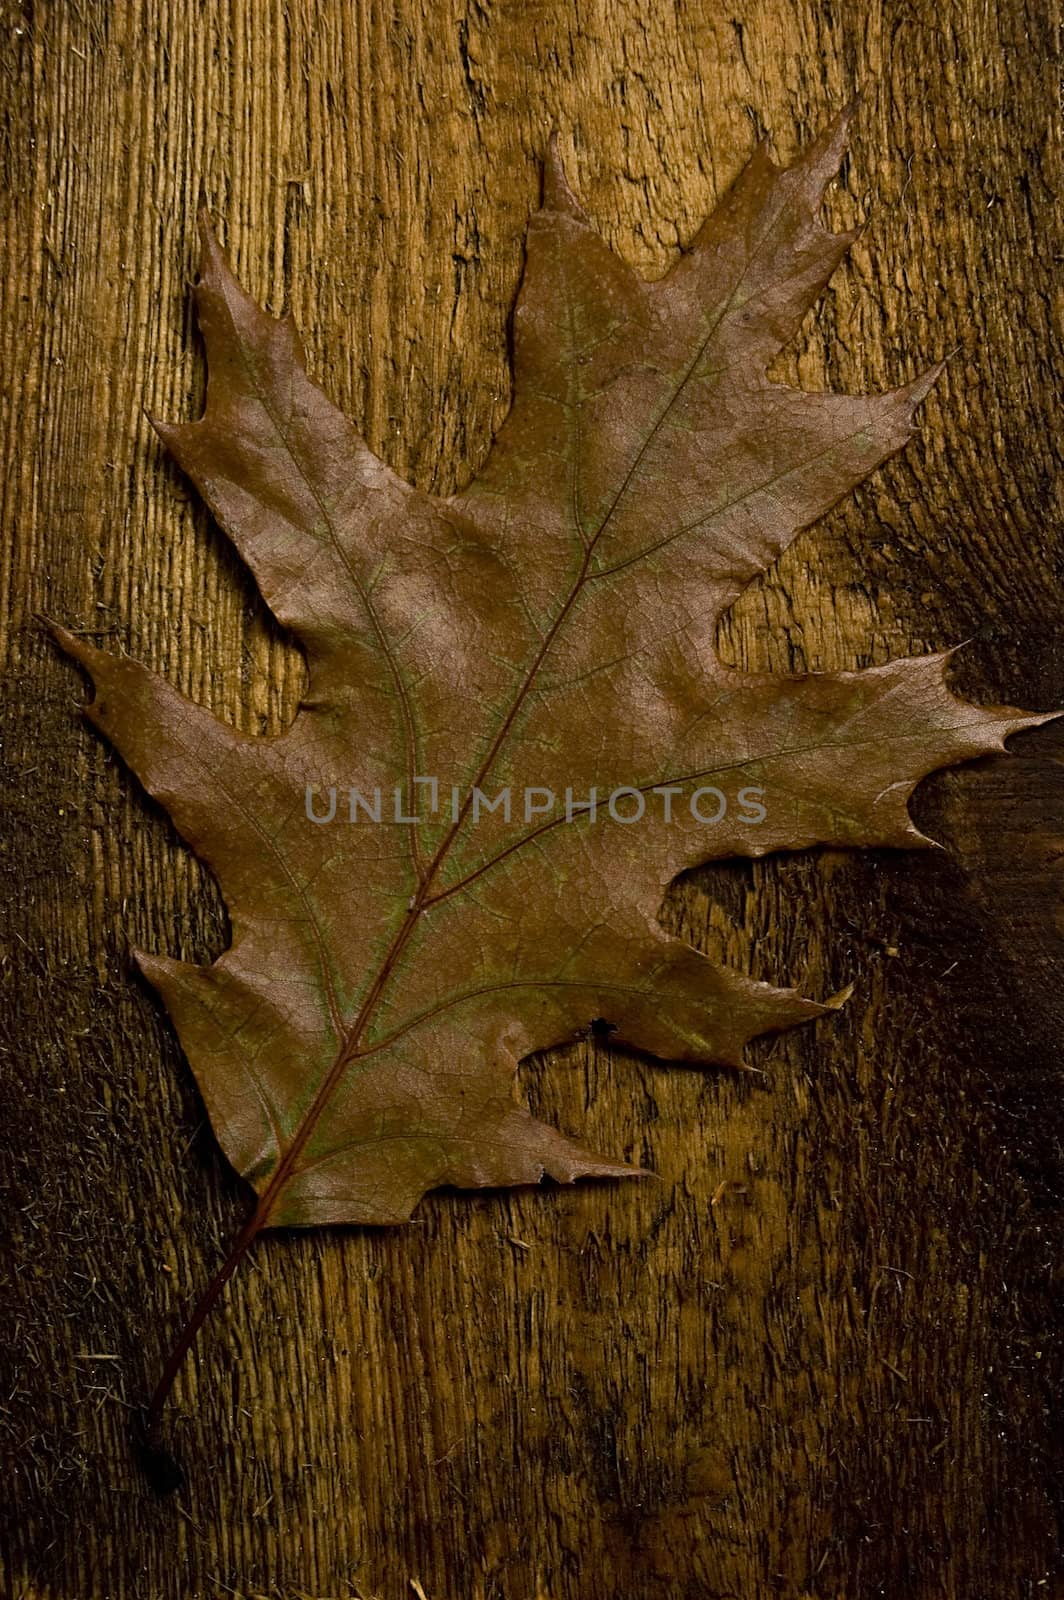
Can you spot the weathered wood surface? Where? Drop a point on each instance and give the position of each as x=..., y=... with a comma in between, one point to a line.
x=821, y=1356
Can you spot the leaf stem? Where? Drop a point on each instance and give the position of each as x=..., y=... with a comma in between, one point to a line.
x=200, y=1312
x=260, y=1216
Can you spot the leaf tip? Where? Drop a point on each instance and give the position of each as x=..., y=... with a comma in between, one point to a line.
x=86, y=656
x=70, y=643
x=558, y=195
x=918, y=390
x=836, y=1001
x=214, y=268
x=836, y=135
x=821, y=160
x=49, y=624
x=1034, y=719
x=147, y=965
x=160, y=426
x=1016, y=721
x=916, y=839
x=205, y=226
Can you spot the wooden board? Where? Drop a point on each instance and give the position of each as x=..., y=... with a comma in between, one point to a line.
x=821, y=1356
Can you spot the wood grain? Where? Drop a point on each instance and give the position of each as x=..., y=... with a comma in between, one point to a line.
x=821, y=1356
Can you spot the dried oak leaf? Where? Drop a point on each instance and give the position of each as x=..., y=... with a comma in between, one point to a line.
x=552, y=626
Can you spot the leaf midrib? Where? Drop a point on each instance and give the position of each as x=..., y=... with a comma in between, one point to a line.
x=286, y=1166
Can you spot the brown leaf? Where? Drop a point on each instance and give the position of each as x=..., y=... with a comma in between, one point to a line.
x=550, y=628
